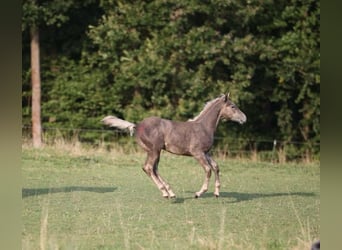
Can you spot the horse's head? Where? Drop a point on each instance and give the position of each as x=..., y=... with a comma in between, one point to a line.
x=231, y=112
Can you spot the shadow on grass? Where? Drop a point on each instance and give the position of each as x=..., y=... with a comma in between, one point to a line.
x=240, y=197
x=40, y=191
x=251, y=196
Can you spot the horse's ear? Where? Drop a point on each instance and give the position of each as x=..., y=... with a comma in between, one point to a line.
x=226, y=97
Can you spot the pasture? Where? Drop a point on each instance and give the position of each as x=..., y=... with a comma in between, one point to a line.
x=76, y=198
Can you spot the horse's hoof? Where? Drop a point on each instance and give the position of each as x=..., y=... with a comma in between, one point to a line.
x=216, y=195
x=196, y=196
x=172, y=197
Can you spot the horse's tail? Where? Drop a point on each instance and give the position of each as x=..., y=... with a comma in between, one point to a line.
x=113, y=121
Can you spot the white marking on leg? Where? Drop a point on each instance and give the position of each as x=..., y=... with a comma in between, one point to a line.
x=216, y=170
x=205, y=185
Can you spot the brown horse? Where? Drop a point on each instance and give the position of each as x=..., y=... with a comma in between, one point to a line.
x=194, y=137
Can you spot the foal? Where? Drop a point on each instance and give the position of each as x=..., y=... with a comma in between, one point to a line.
x=194, y=137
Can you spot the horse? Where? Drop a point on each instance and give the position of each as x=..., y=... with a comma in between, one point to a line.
x=193, y=137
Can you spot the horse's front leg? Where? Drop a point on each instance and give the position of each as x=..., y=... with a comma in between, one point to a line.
x=216, y=170
x=202, y=159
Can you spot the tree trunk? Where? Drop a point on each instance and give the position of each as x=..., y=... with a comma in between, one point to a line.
x=35, y=77
x=305, y=130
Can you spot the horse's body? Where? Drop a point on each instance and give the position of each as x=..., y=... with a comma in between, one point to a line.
x=194, y=137
x=182, y=138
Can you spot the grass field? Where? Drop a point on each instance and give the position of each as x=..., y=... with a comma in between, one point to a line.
x=74, y=198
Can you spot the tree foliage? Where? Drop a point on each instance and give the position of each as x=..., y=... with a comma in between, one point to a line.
x=166, y=58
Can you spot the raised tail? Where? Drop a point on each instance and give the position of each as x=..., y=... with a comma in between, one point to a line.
x=113, y=121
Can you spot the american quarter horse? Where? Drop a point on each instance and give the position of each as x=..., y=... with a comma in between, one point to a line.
x=194, y=137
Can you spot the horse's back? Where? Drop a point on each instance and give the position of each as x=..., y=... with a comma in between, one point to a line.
x=158, y=127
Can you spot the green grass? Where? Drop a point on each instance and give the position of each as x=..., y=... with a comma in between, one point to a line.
x=88, y=199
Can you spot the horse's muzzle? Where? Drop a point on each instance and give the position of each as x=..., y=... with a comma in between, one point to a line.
x=243, y=119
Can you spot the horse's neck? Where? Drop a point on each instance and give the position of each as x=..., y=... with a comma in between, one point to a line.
x=211, y=119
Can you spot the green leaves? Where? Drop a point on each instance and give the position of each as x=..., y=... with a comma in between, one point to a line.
x=168, y=58
x=46, y=13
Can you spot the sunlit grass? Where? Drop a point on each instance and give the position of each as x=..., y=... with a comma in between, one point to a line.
x=76, y=198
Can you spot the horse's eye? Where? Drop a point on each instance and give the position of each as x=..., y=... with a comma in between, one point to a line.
x=233, y=107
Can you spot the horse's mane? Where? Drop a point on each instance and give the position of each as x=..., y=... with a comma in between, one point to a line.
x=206, y=108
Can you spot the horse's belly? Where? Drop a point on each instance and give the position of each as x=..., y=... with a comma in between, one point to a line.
x=179, y=149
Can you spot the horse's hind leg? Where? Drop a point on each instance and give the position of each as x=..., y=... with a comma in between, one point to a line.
x=166, y=185
x=151, y=169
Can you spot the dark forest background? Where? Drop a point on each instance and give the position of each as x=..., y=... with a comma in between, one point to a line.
x=135, y=59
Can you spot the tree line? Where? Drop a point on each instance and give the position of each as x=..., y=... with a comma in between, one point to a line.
x=167, y=58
